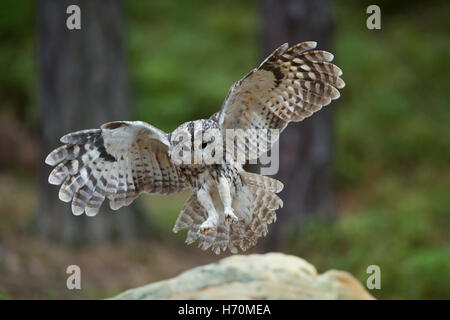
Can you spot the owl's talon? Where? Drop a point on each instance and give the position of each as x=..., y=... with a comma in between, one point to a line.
x=207, y=227
x=231, y=217
x=205, y=230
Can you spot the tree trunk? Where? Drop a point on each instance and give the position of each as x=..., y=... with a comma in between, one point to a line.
x=82, y=84
x=305, y=147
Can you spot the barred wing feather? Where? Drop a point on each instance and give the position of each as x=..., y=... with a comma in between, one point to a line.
x=118, y=162
x=289, y=85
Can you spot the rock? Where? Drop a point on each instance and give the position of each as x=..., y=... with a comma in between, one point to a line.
x=256, y=276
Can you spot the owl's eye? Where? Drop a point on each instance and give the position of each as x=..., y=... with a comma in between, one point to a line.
x=204, y=144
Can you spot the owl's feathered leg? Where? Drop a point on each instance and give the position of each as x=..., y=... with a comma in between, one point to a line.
x=225, y=195
x=204, y=197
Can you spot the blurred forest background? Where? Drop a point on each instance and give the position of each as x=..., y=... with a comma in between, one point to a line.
x=391, y=145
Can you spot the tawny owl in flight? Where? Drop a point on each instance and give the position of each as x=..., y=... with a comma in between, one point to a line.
x=229, y=208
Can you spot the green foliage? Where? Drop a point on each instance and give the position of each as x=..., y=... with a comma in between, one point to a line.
x=17, y=63
x=392, y=154
x=394, y=111
x=184, y=57
x=402, y=227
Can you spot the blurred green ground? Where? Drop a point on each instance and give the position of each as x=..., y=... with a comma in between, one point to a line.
x=392, y=174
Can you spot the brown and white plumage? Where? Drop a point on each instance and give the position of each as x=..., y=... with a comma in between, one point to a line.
x=117, y=162
x=289, y=85
x=230, y=208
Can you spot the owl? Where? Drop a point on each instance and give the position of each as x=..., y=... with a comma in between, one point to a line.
x=229, y=208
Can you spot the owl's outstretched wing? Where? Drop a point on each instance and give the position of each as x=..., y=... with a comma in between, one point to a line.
x=118, y=161
x=289, y=85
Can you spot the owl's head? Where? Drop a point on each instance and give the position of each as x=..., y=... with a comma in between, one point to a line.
x=196, y=142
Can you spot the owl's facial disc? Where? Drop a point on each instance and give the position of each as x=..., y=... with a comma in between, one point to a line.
x=196, y=142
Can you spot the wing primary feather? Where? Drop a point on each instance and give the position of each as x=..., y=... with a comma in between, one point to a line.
x=98, y=195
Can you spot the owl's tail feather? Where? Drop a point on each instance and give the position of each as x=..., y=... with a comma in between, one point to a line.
x=264, y=182
x=254, y=203
x=264, y=204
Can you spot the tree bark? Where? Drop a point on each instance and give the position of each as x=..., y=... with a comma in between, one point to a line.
x=82, y=84
x=306, y=147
